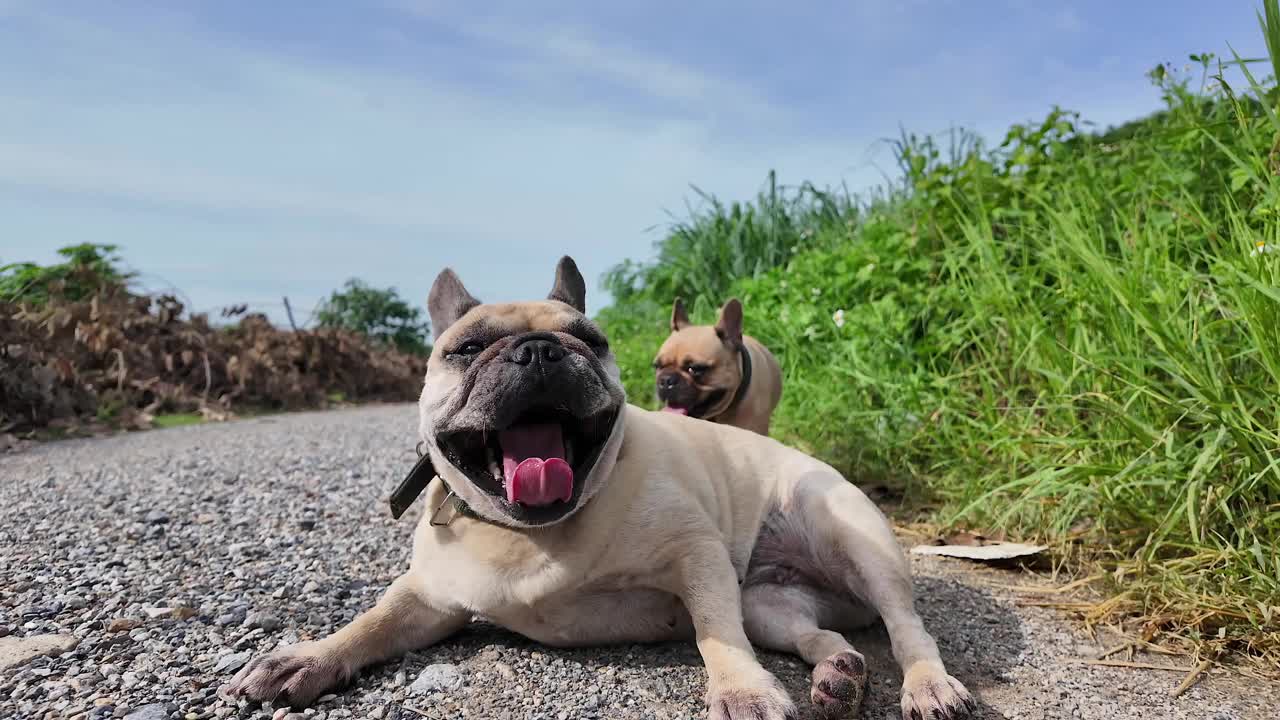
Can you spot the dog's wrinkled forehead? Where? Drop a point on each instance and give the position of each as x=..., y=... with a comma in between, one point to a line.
x=469, y=334
x=487, y=324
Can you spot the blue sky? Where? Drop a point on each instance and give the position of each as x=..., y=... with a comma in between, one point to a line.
x=241, y=151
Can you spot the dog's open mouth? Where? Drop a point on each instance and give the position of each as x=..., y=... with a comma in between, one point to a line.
x=697, y=409
x=540, y=460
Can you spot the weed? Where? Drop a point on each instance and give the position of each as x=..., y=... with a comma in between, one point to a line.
x=168, y=420
x=1073, y=337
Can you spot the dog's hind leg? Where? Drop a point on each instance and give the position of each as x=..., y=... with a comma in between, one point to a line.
x=791, y=618
x=401, y=621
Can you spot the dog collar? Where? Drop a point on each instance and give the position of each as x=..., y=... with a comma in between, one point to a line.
x=416, y=481
x=746, y=378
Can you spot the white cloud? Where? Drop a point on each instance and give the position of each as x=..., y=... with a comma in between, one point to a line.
x=104, y=172
x=195, y=152
x=567, y=49
x=317, y=171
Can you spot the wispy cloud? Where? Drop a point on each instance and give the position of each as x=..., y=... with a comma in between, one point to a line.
x=557, y=51
x=99, y=171
x=365, y=170
x=387, y=140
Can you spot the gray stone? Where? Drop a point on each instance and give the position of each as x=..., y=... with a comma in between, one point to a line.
x=154, y=711
x=441, y=676
x=16, y=651
x=233, y=616
x=156, y=517
x=232, y=662
x=265, y=621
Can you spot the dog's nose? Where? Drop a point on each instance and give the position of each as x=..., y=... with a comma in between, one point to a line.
x=546, y=350
x=667, y=382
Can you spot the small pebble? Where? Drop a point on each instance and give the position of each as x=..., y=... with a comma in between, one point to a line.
x=262, y=620
x=157, y=517
x=154, y=711
x=441, y=676
x=232, y=662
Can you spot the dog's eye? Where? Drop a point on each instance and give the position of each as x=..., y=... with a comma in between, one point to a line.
x=468, y=348
x=697, y=370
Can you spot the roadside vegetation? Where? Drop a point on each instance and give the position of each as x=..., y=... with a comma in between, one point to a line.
x=1072, y=337
x=82, y=351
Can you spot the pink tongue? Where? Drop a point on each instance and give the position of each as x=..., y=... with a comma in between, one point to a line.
x=533, y=463
x=676, y=410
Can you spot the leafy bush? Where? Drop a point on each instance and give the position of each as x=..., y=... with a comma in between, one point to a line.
x=379, y=314
x=1074, y=336
x=89, y=268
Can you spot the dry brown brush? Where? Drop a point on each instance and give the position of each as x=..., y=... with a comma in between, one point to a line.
x=118, y=358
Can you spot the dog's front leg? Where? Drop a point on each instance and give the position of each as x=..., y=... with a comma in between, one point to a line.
x=401, y=621
x=738, y=687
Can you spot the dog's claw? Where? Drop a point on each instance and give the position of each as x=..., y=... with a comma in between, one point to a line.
x=932, y=693
x=296, y=675
x=768, y=703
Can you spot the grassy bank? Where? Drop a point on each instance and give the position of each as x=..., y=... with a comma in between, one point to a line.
x=1074, y=336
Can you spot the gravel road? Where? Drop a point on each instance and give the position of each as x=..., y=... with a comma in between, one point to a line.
x=157, y=563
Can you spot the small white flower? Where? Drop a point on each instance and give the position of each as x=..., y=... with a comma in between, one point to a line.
x=1260, y=247
x=838, y=318
x=816, y=292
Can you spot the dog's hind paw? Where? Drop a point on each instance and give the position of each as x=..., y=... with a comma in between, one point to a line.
x=839, y=684
x=769, y=702
x=929, y=692
x=295, y=676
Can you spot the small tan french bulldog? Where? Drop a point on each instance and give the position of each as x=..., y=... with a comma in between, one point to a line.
x=557, y=510
x=716, y=373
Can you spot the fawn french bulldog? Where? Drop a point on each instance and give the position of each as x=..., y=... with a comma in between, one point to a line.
x=716, y=372
x=559, y=511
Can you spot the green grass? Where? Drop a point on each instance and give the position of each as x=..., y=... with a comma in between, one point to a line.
x=1072, y=337
x=169, y=420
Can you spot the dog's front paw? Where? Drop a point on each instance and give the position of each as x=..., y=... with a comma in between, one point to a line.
x=929, y=692
x=295, y=676
x=767, y=701
x=839, y=683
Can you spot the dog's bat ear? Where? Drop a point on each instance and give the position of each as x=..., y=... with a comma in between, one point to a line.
x=729, y=325
x=679, y=318
x=570, y=288
x=447, y=302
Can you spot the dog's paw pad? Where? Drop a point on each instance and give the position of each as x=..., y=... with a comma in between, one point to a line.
x=768, y=703
x=932, y=694
x=293, y=676
x=839, y=684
